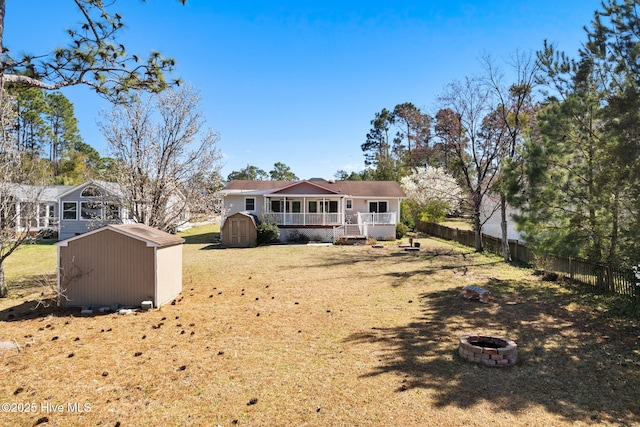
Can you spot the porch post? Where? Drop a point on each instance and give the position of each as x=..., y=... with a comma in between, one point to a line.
x=324, y=212
x=284, y=214
x=18, y=217
x=304, y=211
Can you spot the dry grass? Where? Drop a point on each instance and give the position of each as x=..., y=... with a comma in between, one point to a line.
x=340, y=336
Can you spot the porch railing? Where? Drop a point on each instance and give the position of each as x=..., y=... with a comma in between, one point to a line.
x=305, y=218
x=38, y=223
x=377, y=218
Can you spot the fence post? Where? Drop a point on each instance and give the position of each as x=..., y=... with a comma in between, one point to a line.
x=571, y=267
x=599, y=278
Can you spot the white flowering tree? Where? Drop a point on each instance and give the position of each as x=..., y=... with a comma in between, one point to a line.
x=432, y=191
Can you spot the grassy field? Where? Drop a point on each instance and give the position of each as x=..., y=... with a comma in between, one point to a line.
x=322, y=335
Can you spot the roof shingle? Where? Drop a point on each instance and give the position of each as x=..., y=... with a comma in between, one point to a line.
x=350, y=188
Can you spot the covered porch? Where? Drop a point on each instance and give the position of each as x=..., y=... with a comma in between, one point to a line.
x=320, y=211
x=304, y=211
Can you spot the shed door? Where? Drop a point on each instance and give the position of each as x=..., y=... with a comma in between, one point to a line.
x=238, y=231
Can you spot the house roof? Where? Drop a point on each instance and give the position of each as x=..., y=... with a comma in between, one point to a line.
x=32, y=192
x=347, y=188
x=151, y=236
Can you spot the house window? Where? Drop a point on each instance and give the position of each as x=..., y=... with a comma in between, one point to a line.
x=8, y=213
x=111, y=212
x=276, y=206
x=313, y=207
x=329, y=206
x=349, y=204
x=91, y=191
x=250, y=204
x=28, y=214
x=90, y=210
x=378, y=207
x=43, y=214
x=69, y=210
x=296, y=206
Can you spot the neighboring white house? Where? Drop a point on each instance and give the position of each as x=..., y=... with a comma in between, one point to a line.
x=319, y=209
x=68, y=211
x=490, y=215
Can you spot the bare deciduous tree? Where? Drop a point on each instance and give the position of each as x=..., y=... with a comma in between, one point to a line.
x=167, y=166
x=516, y=112
x=469, y=125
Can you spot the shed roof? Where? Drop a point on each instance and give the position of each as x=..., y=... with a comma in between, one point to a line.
x=151, y=236
x=350, y=188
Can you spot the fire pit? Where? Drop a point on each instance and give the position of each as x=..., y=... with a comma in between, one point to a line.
x=490, y=351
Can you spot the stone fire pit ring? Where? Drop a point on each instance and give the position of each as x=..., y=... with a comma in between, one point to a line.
x=495, y=352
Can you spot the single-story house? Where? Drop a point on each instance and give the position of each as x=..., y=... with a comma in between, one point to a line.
x=239, y=231
x=122, y=265
x=67, y=211
x=88, y=206
x=319, y=209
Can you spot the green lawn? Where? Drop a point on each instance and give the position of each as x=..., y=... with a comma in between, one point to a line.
x=31, y=269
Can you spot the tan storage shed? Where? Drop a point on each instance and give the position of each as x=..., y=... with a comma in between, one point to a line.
x=120, y=264
x=239, y=231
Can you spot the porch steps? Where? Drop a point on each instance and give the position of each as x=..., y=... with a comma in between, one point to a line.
x=352, y=240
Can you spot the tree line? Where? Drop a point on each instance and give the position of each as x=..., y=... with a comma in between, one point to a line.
x=558, y=142
x=44, y=131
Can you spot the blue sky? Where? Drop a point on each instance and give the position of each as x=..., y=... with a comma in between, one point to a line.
x=298, y=82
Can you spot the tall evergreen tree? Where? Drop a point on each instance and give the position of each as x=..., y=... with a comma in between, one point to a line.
x=250, y=173
x=377, y=149
x=282, y=172
x=412, y=142
x=63, y=128
x=580, y=195
x=31, y=130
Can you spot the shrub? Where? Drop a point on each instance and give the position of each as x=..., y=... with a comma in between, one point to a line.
x=296, y=237
x=434, y=211
x=409, y=210
x=268, y=232
x=401, y=230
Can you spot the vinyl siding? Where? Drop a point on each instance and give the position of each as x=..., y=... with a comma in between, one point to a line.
x=72, y=227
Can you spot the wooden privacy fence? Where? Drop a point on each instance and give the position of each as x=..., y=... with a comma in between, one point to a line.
x=604, y=277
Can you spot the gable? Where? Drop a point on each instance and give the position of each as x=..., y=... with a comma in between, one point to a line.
x=387, y=189
x=150, y=236
x=75, y=193
x=304, y=187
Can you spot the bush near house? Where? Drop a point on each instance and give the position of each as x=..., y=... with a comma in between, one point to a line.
x=296, y=237
x=401, y=230
x=268, y=232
